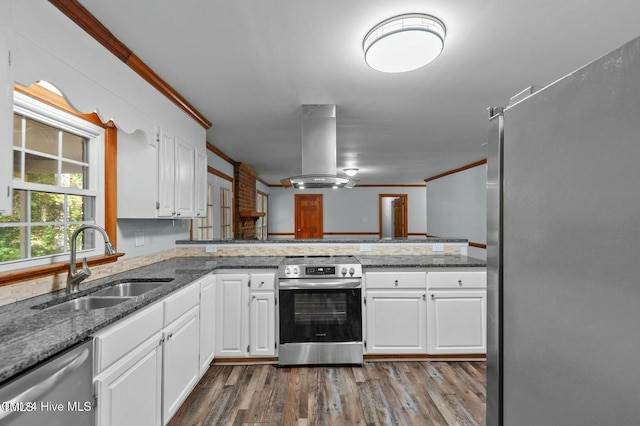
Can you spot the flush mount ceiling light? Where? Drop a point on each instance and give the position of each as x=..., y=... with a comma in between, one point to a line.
x=350, y=171
x=404, y=43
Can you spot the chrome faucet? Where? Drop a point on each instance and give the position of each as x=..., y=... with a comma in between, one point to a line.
x=74, y=278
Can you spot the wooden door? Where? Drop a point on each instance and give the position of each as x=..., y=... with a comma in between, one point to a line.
x=398, y=218
x=308, y=214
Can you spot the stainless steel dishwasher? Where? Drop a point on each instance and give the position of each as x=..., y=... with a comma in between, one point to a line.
x=58, y=392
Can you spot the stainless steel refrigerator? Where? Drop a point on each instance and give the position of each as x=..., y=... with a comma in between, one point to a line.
x=563, y=199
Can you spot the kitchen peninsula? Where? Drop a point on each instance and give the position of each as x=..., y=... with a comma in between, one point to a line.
x=308, y=247
x=399, y=318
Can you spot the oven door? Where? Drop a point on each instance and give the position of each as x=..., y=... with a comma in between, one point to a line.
x=320, y=315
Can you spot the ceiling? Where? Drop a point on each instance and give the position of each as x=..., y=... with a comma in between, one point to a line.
x=249, y=65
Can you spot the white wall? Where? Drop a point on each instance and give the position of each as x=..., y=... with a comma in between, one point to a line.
x=457, y=207
x=46, y=45
x=347, y=210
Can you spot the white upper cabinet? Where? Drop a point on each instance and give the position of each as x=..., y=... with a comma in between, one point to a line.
x=166, y=174
x=182, y=175
x=185, y=172
x=138, y=167
x=6, y=127
x=201, y=184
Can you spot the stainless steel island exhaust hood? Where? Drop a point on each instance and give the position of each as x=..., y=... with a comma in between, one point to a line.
x=319, y=151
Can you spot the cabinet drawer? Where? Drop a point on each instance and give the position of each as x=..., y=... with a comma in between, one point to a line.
x=113, y=342
x=457, y=279
x=178, y=304
x=262, y=281
x=395, y=280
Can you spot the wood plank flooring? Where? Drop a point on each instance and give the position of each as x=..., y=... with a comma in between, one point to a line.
x=379, y=393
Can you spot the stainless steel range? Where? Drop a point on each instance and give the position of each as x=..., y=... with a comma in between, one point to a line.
x=320, y=310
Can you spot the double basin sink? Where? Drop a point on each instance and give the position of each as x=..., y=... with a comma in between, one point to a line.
x=110, y=295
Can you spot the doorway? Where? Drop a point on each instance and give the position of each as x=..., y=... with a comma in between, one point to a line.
x=393, y=214
x=308, y=216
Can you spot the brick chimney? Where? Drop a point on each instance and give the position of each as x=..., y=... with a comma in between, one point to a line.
x=245, y=201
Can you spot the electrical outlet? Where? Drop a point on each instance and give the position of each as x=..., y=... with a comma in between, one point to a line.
x=211, y=249
x=437, y=247
x=365, y=247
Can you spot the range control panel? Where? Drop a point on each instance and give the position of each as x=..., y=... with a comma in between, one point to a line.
x=319, y=267
x=320, y=270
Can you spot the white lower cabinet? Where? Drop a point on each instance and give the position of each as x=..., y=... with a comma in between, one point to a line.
x=457, y=312
x=245, y=315
x=396, y=322
x=262, y=330
x=231, y=315
x=181, y=361
x=457, y=322
x=130, y=392
x=146, y=365
x=395, y=310
x=207, y=322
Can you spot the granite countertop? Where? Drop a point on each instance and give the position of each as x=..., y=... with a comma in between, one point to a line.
x=420, y=261
x=29, y=336
x=425, y=240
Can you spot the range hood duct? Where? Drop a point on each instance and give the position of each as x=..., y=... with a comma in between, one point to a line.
x=319, y=151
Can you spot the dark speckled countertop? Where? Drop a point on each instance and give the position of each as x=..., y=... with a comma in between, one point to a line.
x=420, y=261
x=29, y=336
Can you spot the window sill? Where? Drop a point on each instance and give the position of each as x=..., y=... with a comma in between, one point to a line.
x=53, y=269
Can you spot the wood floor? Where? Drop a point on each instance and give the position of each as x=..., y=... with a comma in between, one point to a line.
x=380, y=393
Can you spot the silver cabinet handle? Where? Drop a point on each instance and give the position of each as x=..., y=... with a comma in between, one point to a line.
x=36, y=391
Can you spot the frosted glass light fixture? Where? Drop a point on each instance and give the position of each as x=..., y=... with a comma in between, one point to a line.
x=404, y=43
x=350, y=171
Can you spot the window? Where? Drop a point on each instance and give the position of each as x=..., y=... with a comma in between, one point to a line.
x=262, y=205
x=58, y=169
x=204, y=226
x=225, y=214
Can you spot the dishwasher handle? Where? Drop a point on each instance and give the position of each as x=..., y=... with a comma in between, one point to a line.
x=39, y=389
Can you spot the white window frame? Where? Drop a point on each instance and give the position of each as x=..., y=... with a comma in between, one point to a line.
x=47, y=114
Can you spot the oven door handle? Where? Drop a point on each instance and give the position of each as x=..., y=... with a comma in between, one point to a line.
x=316, y=284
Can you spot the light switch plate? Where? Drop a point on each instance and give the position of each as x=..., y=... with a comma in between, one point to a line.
x=139, y=238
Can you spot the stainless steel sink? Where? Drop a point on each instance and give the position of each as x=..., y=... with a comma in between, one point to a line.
x=128, y=289
x=88, y=303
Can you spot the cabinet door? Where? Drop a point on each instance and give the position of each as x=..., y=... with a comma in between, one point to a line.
x=129, y=393
x=457, y=322
x=207, y=321
x=262, y=317
x=138, y=174
x=6, y=128
x=232, y=315
x=166, y=175
x=396, y=322
x=201, y=185
x=181, y=363
x=184, y=179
